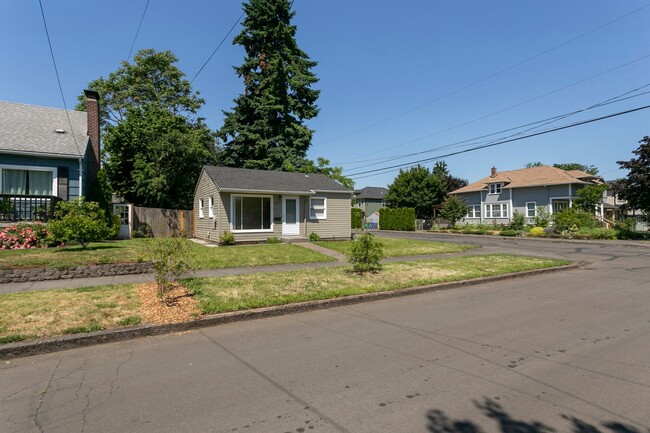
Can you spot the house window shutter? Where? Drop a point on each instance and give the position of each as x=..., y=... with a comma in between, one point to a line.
x=62, y=181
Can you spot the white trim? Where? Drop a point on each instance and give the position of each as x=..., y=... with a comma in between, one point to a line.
x=490, y=206
x=232, y=213
x=211, y=207
x=471, y=215
x=510, y=207
x=482, y=203
x=314, y=217
x=54, y=170
x=290, y=229
x=534, y=209
x=497, y=186
x=81, y=183
x=559, y=198
x=41, y=154
x=201, y=208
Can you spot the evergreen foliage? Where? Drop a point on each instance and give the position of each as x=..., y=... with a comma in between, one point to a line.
x=635, y=188
x=402, y=219
x=357, y=221
x=365, y=253
x=265, y=129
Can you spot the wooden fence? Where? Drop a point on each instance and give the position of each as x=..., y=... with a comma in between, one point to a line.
x=161, y=222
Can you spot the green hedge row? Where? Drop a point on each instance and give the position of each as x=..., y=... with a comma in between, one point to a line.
x=356, y=218
x=397, y=219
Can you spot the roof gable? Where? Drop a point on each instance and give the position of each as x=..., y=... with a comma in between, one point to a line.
x=31, y=129
x=372, y=192
x=247, y=180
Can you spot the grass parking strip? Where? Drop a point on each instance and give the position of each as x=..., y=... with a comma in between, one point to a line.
x=394, y=247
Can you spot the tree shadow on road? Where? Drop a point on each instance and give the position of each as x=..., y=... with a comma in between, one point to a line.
x=439, y=422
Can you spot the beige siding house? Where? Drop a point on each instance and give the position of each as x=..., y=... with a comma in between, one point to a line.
x=256, y=204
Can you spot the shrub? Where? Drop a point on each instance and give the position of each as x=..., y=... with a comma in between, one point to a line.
x=80, y=221
x=518, y=221
x=402, y=219
x=313, y=237
x=169, y=257
x=453, y=209
x=356, y=218
x=537, y=232
x=509, y=233
x=599, y=233
x=365, y=254
x=273, y=240
x=24, y=236
x=227, y=238
x=572, y=219
x=542, y=218
x=628, y=224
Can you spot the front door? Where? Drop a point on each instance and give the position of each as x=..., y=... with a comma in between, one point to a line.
x=290, y=216
x=560, y=205
x=123, y=211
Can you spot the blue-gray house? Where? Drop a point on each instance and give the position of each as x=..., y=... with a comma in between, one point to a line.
x=46, y=155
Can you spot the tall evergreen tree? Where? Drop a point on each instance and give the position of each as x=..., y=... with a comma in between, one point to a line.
x=635, y=188
x=265, y=128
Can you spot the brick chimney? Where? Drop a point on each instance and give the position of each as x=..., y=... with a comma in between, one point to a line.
x=493, y=173
x=92, y=113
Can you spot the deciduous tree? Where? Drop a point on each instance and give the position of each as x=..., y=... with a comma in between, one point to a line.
x=635, y=188
x=416, y=188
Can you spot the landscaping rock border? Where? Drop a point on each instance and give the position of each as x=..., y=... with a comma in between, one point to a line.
x=43, y=274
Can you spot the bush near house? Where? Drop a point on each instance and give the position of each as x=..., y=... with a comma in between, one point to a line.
x=573, y=219
x=81, y=222
x=25, y=236
x=356, y=218
x=402, y=219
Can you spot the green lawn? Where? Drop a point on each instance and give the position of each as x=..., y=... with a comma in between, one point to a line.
x=135, y=250
x=402, y=247
x=241, y=292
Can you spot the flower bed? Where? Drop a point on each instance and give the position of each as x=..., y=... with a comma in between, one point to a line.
x=24, y=236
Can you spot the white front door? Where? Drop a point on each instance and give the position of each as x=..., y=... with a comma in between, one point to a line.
x=290, y=216
x=124, y=212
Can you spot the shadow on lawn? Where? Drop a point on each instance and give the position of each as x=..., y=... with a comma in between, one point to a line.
x=77, y=248
x=439, y=422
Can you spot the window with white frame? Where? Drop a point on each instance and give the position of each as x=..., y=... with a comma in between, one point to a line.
x=317, y=208
x=495, y=188
x=211, y=207
x=200, y=208
x=20, y=180
x=251, y=213
x=531, y=209
x=496, y=210
x=474, y=211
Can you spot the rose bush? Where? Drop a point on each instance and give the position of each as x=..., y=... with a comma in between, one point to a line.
x=23, y=236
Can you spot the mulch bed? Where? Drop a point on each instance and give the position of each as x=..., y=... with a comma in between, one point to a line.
x=180, y=306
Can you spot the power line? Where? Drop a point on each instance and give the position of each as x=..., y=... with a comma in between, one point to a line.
x=138, y=31
x=467, y=86
x=548, y=131
x=218, y=46
x=58, y=79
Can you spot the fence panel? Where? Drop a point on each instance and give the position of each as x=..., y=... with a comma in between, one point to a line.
x=161, y=222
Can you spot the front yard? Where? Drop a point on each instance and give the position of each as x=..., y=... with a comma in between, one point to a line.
x=30, y=315
x=394, y=247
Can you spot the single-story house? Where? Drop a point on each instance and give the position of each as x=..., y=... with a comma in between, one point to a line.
x=256, y=204
x=495, y=198
x=46, y=155
x=369, y=199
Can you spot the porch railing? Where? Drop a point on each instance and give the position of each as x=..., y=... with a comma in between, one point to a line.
x=16, y=208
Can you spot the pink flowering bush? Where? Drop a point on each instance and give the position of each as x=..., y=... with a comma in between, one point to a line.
x=24, y=236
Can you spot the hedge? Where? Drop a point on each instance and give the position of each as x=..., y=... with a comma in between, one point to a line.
x=397, y=219
x=356, y=218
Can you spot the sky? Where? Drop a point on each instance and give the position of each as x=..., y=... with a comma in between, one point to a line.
x=396, y=78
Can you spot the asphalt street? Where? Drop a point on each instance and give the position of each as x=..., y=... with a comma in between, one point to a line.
x=562, y=352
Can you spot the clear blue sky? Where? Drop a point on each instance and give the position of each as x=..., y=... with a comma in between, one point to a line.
x=395, y=77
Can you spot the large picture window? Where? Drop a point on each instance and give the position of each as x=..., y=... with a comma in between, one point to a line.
x=18, y=181
x=496, y=210
x=252, y=213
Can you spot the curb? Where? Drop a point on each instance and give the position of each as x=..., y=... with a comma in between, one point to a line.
x=38, y=347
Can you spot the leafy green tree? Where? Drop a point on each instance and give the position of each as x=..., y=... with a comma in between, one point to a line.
x=572, y=219
x=170, y=258
x=589, y=169
x=265, y=129
x=589, y=196
x=533, y=164
x=323, y=167
x=79, y=221
x=454, y=209
x=635, y=188
x=154, y=144
x=416, y=188
x=365, y=253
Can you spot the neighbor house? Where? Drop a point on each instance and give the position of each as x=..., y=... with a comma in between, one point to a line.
x=256, y=204
x=46, y=155
x=369, y=199
x=616, y=209
x=495, y=198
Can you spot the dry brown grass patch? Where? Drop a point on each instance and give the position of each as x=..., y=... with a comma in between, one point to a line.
x=179, y=306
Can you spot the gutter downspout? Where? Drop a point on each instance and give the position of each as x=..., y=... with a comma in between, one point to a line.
x=80, y=177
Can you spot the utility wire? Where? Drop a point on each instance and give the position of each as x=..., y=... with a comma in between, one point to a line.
x=475, y=83
x=548, y=131
x=138, y=31
x=218, y=46
x=58, y=79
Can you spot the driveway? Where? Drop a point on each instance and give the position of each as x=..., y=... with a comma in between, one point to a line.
x=564, y=352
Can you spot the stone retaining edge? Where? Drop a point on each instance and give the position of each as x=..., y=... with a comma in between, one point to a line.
x=43, y=274
x=37, y=347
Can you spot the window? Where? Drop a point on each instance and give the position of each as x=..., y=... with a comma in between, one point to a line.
x=495, y=188
x=474, y=211
x=200, y=208
x=211, y=207
x=496, y=210
x=531, y=209
x=318, y=208
x=252, y=213
x=17, y=180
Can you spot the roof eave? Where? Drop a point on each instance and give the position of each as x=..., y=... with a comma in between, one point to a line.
x=45, y=154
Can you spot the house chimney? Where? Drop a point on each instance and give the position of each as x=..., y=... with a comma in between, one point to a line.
x=92, y=113
x=493, y=173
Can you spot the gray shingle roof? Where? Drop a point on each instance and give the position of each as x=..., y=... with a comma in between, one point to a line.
x=372, y=192
x=241, y=179
x=31, y=129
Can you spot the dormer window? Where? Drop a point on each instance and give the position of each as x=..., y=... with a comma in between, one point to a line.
x=495, y=188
